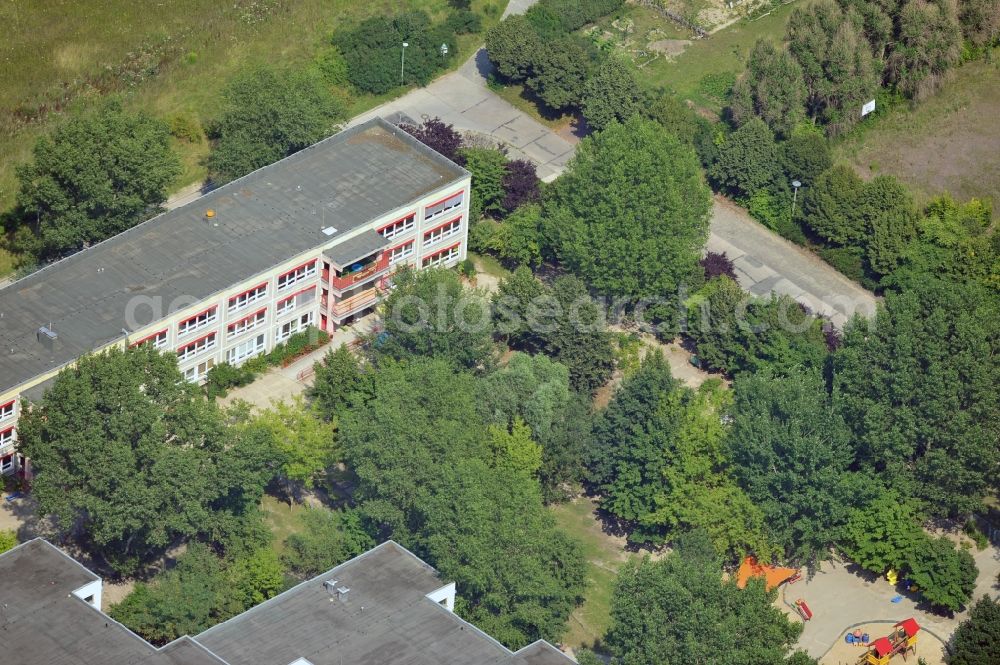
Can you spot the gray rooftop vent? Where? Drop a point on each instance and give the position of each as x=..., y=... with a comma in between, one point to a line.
x=47, y=337
x=341, y=592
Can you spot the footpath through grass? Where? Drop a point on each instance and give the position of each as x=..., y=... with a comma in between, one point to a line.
x=605, y=555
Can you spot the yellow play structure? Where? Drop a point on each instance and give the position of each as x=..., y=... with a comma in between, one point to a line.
x=902, y=640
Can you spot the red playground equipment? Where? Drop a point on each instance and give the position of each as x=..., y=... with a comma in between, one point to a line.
x=902, y=640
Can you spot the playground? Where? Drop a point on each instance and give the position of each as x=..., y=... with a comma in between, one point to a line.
x=840, y=604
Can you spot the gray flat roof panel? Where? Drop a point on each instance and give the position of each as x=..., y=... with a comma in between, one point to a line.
x=365, y=243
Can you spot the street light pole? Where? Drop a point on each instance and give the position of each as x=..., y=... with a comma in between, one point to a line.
x=402, y=63
x=795, y=195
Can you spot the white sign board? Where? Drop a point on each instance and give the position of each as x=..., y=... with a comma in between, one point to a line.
x=867, y=108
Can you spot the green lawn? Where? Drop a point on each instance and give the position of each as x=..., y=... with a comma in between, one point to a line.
x=605, y=555
x=282, y=519
x=167, y=58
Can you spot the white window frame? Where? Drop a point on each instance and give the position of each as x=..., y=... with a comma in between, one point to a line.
x=442, y=257
x=296, y=275
x=7, y=437
x=454, y=201
x=447, y=230
x=243, y=300
x=295, y=301
x=7, y=463
x=186, y=327
x=157, y=340
x=246, y=350
x=195, y=374
x=401, y=252
x=246, y=324
x=292, y=327
x=202, y=345
x=399, y=227
x=8, y=410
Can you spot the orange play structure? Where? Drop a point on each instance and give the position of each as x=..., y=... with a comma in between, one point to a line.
x=773, y=575
x=902, y=640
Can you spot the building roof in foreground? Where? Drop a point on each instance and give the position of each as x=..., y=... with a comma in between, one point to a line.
x=386, y=618
x=181, y=256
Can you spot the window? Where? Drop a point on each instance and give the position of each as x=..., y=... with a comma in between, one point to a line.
x=238, y=302
x=6, y=436
x=6, y=464
x=297, y=275
x=247, y=349
x=446, y=230
x=247, y=324
x=293, y=302
x=158, y=340
x=197, y=322
x=7, y=411
x=286, y=330
x=442, y=256
x=398, y=227
x=399, y=253
x=200, y=371
x=435, y=210
x=196, y=347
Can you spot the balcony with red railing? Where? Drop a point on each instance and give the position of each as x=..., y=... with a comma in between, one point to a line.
x=343, y=280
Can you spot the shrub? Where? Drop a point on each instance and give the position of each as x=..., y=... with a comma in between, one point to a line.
x=224, y=376
x=186, y=127
x=463, y=22
x=521, y=185
x=716, y=264
x=850, y=262
x=438, y=136
x=332, y=66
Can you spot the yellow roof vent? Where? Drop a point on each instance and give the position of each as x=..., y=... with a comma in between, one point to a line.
x=210, y=213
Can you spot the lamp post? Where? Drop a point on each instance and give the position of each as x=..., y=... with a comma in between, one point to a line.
x=795, y=195
x=402, y=62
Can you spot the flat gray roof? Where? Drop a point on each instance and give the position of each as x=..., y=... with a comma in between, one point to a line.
x=262, y=219
x=386, y=620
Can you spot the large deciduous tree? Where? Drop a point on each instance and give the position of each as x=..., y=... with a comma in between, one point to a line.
x=95, y=176
x=975, y=640
x=918, y=387
x=791, y=451
x=126, y=449
x=326, y=539
x=611, y=94
x=747, y=161
x=679, y=610
x=514, y=47
x=772, y=89
x=267, y=115
x=630, y=215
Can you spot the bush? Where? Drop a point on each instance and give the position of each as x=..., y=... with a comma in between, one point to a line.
x=327, y=538
x=463, y=22
x=521, y=185
x=332, y=66
x=438, y=136
x=224, y=376
x=850, y=262
x=186, y=127
x=716, y=265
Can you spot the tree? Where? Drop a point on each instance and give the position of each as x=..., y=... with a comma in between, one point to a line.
x=95, y=176
x=748, y=160
x=881, y=535
x=946, y=576
x=326, y=539
x=518, y=240
x=611, y=94
x=678, y=118
x=373, y=51
x=772, y=89
x=630, y=215
x=560, y=72
x=199, y=592
x=8, y=541
x=303, y=443
x=891, y=221
x=438, y=136
x=679, y=610
x=975, y=640
x=527, y=593
x=929, y=42
x=514, y=47
x=514, y=450
x=922, y=403
x=980, y=21
x=537, y=390
x=791, y=451
x=488, y=167
x=831, y=207
x=266, y=115
x=735, y=332
x=429, y=313
x=717, y=265
x=129, y=415
x=837, y=64
x=521, y=185
x=334, y=381
x=805, y=155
